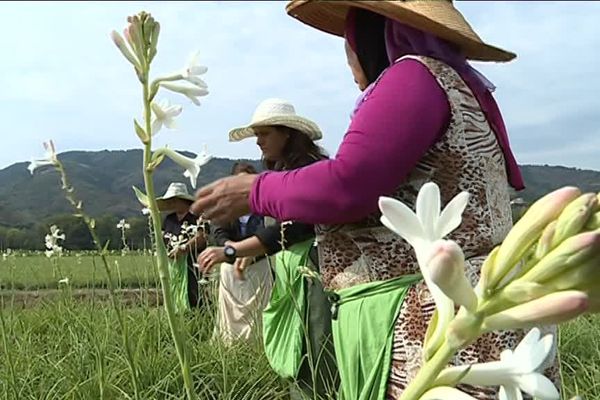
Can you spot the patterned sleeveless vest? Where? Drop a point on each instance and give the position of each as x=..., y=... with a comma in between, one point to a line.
x=466, y=158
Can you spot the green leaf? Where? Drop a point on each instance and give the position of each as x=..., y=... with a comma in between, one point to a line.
x=141, y=132
x=141, y=196
x=157, y=158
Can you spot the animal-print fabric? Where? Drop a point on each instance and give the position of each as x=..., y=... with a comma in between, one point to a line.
x=466, y=158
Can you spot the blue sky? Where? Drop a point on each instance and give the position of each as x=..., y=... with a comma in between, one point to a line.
x=62, y=78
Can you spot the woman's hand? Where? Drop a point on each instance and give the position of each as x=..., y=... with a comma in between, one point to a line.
x=210, y=257
x=240, y=266
x=224, y=200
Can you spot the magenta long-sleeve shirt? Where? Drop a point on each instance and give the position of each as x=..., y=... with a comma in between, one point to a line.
x=403, y=115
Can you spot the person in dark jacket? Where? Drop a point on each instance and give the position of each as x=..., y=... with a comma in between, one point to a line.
x=297, y=320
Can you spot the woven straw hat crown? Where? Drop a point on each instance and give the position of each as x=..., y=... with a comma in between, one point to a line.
x=273, y=112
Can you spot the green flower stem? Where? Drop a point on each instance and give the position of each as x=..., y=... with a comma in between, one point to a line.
x=89, y=222
x=162, y=259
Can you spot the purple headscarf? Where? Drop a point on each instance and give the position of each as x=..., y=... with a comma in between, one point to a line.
x=402, y=40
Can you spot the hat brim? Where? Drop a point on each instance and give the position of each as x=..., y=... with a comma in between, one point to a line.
x=160, y=201
x=434, y=16
x=299, y=123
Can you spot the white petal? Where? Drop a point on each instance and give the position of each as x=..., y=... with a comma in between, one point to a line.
x=197, y=70
x=398, y=218
x=193, y=175
x=173, y=111
x=510, y=393
x=428, y=208
x=194, y=100
x=158, y=110
x=523, y=349
x=156, y=125
x=487, y=374
x=451, y=217
x=538, y=386
x=170, y=123
x=532, y=351
x=197, y=81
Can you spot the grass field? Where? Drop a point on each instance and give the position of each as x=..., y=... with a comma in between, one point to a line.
x=67, y=349
x=30, y=271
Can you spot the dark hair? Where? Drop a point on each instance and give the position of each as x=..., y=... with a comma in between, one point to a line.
x=370, y=43
x=240, y=167
x=299, y=151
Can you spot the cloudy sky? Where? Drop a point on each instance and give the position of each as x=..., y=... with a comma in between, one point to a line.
x=61, y=76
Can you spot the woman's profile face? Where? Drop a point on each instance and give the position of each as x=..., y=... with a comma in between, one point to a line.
x=359, y=75
x=271, y=142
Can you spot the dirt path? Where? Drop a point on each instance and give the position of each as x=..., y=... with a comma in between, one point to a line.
x=131, y=297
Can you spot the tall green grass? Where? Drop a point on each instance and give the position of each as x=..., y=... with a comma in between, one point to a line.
x=68, y=349
x=72, y=350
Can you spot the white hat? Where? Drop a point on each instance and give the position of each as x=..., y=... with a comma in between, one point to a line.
x=175, y=190
x=276, y=112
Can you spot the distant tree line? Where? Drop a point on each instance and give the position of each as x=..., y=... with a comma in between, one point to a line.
x=77, y=236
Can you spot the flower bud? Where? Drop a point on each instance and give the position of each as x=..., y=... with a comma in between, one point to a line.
x=594, y=222
x=528, y=230
x=574, y=217
x=447, y=270
x=545, y=243
x=547, y=310
x=570, y=254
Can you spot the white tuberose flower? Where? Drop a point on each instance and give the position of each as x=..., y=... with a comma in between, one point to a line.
x=123, y=225
x=191, y=165
x=49, y=159
x=52, y=239
x=193, y=69
x=164, y=114
x=191, y=92
x=427, y=225
x=421, y=230
x=516, y=372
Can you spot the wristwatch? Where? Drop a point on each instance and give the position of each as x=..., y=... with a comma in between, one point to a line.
x=230, y=253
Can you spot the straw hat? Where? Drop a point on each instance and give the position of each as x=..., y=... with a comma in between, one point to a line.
x=175, y=190
x=438, y=17
x=276, y=112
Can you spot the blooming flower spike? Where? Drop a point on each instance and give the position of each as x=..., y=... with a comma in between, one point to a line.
x=516, y=372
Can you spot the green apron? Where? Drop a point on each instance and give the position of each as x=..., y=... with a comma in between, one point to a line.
x=283, y=318
x=299, y=310
x=363, y=325
x=178, y=280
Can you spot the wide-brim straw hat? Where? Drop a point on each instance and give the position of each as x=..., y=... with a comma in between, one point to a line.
x=273, y=112
x=176, y=190
x=438, y=17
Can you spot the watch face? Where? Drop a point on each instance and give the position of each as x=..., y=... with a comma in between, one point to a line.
x=229, y=251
